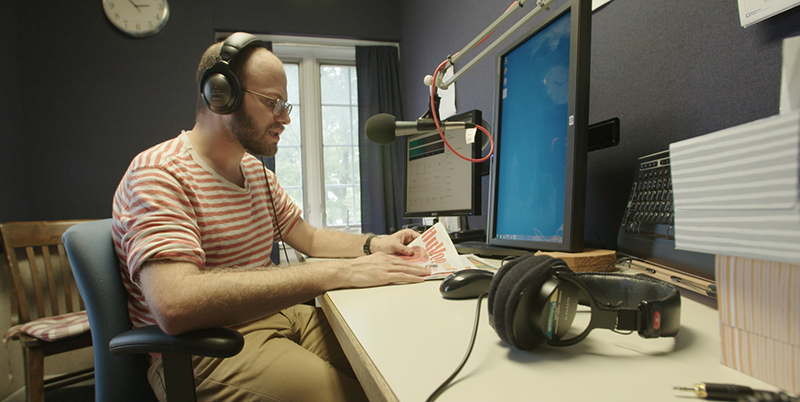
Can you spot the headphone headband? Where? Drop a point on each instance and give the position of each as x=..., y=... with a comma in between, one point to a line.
x=647, y=305
x=237, y=42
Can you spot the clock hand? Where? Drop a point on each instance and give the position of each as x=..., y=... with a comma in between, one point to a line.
x=135, y=5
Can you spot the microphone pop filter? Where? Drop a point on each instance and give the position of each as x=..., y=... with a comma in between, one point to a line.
x=381, y=128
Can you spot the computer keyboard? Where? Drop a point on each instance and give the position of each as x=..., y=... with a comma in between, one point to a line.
x=650, y=209
x=647, y=230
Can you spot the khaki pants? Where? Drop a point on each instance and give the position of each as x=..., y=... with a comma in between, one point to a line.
x=289, y=356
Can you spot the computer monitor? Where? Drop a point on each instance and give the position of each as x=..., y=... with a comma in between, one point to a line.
x=438, y=182
x=538, y=176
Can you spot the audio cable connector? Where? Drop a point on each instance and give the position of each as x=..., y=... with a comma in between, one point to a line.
x=732, y=392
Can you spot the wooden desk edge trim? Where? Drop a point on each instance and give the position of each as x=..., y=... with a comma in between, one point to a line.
x=375, y=386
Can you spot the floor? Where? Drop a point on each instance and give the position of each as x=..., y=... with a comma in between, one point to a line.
x=83, y=392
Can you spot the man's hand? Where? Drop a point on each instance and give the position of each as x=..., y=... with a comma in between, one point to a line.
x=396, y=243
x=382, y=269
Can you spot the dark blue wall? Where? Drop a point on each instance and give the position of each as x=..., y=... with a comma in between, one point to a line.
x=12, y=198
x=353, y=19
x=80, y=99
x=669, y=69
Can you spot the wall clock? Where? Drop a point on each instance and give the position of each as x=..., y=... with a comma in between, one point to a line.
x=137, y=18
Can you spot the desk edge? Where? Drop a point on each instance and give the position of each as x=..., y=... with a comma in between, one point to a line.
x=371, y=379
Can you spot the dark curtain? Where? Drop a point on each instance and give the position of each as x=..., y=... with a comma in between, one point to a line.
x=382, y=166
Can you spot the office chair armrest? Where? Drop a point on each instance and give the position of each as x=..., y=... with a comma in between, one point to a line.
x=211, y=342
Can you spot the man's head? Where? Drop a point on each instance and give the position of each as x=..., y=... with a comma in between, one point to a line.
x=256, y=76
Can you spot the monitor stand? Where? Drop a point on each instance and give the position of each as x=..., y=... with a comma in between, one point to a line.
x=467, y=235
x=464, y=233
x=482, y=249
x=473, y=241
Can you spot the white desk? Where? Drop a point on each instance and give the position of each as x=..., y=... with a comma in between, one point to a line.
x=404, y=340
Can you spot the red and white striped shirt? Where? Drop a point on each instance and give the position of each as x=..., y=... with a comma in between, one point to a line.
x=171, y=205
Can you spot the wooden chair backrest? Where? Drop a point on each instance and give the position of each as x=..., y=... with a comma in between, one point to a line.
x=41, y=277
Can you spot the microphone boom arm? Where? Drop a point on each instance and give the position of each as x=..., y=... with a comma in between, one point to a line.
x=540, y=5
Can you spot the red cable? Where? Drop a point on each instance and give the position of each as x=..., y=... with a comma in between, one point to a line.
x=439, y=127
x=478, y=126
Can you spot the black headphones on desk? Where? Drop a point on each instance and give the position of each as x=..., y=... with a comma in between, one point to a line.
x=534, y=299
x=220, y=88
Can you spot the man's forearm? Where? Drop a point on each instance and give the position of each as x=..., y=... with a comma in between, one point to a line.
x=336, y=244
x=183, y=298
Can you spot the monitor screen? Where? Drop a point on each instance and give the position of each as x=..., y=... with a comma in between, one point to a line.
x=438, y=182
x=538, y=176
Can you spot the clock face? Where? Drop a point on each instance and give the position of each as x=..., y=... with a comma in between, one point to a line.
x=137, y=18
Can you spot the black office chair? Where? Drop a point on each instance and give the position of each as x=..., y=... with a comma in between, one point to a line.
x=119, y=351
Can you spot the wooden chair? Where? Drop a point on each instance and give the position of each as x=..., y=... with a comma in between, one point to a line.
x=47, y=310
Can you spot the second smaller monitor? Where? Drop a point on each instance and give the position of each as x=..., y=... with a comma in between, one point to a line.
x=438, y=182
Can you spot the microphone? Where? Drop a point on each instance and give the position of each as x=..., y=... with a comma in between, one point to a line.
x=383, y=128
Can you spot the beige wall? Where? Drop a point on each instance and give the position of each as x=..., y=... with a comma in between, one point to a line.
x=11, y=353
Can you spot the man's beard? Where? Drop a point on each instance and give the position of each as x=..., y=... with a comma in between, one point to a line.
x=253, y=141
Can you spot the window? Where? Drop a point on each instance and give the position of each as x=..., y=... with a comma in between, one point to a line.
x=339, y=105
x=336, y=179
x=289, y=159
x=317, y=161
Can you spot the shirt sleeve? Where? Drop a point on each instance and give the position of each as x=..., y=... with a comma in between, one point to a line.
x=156, y=220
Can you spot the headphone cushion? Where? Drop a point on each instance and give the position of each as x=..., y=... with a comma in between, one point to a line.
x=498, y=277
x=523, y=272
x=531, y=281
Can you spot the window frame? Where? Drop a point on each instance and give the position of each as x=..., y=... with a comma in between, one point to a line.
x=309, y=59
x=311, y=53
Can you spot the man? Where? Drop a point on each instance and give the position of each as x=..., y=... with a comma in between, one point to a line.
x=194, y=222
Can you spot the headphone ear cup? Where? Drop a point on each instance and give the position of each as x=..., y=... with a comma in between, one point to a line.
x=501, y=292
x=498, y=277
x=220, y=89
x=521, y=328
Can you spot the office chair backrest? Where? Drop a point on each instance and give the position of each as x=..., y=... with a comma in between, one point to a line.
x=96, y=269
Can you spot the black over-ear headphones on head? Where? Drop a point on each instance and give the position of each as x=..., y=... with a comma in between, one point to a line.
x=220, y=88
x=534, y=299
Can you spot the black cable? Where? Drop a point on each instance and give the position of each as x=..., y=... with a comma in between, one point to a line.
x=615, y=262
x=274, y=211
x=629, y=260
x=711, y=291
x=768, y=396
x=508, y=259
x=444, y=385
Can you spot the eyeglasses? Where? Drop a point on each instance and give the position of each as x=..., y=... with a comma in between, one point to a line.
x=280, y=105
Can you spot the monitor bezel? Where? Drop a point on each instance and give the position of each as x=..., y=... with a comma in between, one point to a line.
x=475, y=117
x=577, y=134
